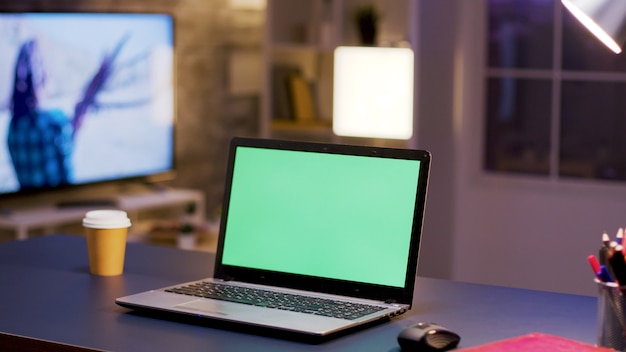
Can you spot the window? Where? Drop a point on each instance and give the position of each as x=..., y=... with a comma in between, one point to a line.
x=555, y=96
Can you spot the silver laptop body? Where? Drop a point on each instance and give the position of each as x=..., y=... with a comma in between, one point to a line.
x=334, y=222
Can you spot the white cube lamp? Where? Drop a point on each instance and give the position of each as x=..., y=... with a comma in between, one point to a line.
x=373, y=92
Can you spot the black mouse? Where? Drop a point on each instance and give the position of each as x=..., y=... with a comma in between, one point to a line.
x=427, y=337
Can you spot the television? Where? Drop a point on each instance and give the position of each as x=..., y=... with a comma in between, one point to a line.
x=85, y=98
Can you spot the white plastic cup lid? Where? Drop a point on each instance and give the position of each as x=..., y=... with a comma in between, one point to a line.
x=106, y=219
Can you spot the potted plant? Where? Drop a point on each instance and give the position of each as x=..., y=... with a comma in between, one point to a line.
x=367, y=18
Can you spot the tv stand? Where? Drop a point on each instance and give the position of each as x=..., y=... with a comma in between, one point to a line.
x=96, y=202
x=22, y=219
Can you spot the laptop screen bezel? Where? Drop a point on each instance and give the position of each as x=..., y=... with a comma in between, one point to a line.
x=402, y=295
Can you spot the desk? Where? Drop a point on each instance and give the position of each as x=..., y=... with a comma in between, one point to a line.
x=47, y=293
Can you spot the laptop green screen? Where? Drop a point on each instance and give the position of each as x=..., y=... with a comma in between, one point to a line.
x=335, y=216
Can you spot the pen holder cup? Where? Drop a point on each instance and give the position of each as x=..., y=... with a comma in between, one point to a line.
x=611, y=316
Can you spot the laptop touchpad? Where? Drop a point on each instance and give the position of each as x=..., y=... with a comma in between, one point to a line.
x=209, y=307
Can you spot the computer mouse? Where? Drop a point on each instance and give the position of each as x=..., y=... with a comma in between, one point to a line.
x=427, y=337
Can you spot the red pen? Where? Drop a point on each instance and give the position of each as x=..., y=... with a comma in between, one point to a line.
x=595, y=265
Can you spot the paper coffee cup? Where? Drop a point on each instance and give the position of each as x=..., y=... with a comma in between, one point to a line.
x=106, y=232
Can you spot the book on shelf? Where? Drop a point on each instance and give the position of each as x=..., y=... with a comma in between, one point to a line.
x=281, y=94
x=302, y=99
x=293, y=96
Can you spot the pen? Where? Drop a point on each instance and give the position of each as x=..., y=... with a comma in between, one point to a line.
x=606, y=239
x=600, y=271
x=618, y=266
x=602, y=254
x=595, y=265
x=604, y=274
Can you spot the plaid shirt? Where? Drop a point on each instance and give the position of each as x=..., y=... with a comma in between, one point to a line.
x=40, y=145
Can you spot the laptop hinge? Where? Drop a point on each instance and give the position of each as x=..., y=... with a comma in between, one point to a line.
x=390, y=301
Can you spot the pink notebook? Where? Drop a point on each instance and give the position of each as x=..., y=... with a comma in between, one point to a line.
x=536, y=342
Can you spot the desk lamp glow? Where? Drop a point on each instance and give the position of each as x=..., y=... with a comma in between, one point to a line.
x=606, y=19
x=373, y=92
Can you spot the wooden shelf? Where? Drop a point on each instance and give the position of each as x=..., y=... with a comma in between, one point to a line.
x=300, y=39
x=319, y=126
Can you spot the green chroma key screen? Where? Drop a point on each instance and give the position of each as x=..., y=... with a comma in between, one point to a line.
x=325, y=215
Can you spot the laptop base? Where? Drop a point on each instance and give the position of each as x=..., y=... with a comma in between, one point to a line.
x=208, y=322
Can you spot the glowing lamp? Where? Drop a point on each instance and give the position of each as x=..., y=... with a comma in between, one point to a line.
x=606, y=19
x=373, y=92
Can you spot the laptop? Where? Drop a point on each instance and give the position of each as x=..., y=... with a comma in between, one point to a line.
x=315, y=239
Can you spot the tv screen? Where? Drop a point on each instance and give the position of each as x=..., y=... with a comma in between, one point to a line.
x=84, y=98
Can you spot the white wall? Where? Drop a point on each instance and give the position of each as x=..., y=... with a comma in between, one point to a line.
x=520, y=232
x=434, y=130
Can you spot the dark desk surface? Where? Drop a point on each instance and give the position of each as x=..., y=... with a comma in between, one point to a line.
x=47, y=293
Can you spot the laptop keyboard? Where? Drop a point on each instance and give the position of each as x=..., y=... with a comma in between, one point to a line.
x=277, y=300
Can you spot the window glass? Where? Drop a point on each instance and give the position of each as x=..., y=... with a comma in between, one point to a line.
x=518, y=125
x=593, y=130
x=520, y=33
x=584, y=94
